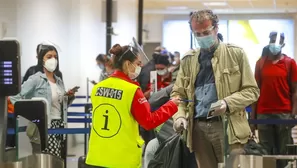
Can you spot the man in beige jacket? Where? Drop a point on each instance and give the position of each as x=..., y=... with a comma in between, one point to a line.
x=214, y=73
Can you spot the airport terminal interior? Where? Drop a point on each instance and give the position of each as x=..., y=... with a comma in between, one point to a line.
x=72, y=39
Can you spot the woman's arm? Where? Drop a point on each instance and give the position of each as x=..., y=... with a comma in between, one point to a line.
x=143, y=115
x=27, y=88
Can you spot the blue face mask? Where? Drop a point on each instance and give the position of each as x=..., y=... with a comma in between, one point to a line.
x=206, y=41
x=101, y=66
x=275, y=49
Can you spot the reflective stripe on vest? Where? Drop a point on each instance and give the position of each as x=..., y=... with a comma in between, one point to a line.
x=114, y=141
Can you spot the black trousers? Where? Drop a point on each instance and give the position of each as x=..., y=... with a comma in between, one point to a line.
x=10, y=139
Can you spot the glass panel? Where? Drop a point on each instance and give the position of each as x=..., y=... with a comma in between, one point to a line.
x=28, y=138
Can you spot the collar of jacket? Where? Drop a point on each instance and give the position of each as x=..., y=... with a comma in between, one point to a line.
x=216, y=53
x=58, y=79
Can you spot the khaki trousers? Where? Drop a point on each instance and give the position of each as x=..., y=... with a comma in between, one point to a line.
x=208, y=140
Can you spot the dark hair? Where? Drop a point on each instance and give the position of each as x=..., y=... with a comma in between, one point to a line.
x=203, y=15
x=42, y=52
x=38, y=48
x=120, y=54
x=102, y=58
x=220, y=37
x=162, y=59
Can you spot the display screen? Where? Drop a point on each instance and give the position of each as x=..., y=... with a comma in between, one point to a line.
x=9, y=68
x=6, y=73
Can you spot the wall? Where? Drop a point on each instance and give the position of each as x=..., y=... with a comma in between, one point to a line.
x=153, y=23
x=75, y=26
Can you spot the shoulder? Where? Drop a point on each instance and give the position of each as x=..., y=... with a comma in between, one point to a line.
x=32, y=67
x=234, y=51
x=37, y=75
x=190, y=53
x=233, y=47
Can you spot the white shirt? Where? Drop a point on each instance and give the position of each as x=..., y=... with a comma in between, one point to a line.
x=56, y=101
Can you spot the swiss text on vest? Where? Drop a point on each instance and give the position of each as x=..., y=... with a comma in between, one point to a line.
x=109, y=93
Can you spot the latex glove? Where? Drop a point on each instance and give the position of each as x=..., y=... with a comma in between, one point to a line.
x=180, y=124
x=220, y=110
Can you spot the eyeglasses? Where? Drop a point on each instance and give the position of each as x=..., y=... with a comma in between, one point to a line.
x=204, y=33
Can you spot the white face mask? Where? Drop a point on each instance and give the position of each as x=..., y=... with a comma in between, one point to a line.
x=51, y=64
x=162, y=72
x=134, y=75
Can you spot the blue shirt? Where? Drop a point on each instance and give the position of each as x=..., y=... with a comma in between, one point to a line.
x=205, y=89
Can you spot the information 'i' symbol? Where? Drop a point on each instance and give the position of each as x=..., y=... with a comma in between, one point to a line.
x=106, y=121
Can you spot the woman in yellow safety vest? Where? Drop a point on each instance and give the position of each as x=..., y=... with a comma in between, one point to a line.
x=118, y=107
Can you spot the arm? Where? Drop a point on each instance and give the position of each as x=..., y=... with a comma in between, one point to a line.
x=249, y=91
x=161, y=97
x=179, y=90
x=294, y=86
x=27, y=88
x=143, y=115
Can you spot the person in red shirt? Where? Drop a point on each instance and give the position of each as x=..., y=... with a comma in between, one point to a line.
x=164, y=76
x=276, y=75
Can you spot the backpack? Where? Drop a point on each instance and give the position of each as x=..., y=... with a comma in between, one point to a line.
x=260, y=64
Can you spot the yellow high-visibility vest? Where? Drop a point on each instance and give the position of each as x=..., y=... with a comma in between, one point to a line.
x=114, y=141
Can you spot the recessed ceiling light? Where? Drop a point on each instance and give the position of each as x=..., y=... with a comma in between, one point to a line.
x=176, y=7
x=215, y=4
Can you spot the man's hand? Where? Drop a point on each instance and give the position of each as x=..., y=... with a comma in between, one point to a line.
x=176, y=100
x=180, y=124
x=219, y=110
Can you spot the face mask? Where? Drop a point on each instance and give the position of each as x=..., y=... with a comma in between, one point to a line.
x=134, y=75
x=162, y=72
x=101, y=66
x=206, y=41
x=275, y=49
x=51, y=64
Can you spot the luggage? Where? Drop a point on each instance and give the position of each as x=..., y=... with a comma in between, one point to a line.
x=82, y=162
x=172, y=153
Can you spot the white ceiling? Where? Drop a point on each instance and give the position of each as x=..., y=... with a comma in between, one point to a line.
x=220, y=6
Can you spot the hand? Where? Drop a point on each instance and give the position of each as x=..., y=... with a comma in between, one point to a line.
x=70, y=93
x=220, y=109
x=93, y=82
x=180, y=124
x=176, y=100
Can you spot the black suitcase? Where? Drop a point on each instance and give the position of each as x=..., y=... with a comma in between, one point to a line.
x=82, y=163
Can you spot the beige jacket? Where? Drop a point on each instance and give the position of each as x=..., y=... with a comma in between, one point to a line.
x=235, y=83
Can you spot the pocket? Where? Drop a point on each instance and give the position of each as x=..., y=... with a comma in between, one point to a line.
x=232, y=78
x=238, y=126
x=40, y=92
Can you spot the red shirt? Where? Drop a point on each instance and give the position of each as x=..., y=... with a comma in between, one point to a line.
x=275, y=96
x=140, y=108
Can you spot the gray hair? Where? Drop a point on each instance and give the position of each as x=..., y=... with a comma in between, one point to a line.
x=203, y=15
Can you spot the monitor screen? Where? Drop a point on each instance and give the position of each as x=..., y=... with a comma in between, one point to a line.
x=9, y=68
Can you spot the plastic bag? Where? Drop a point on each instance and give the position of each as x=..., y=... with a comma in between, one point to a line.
x=172, y=153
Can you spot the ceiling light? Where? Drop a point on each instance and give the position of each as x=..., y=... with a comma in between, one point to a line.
x=215, y=4
x=177, y=7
